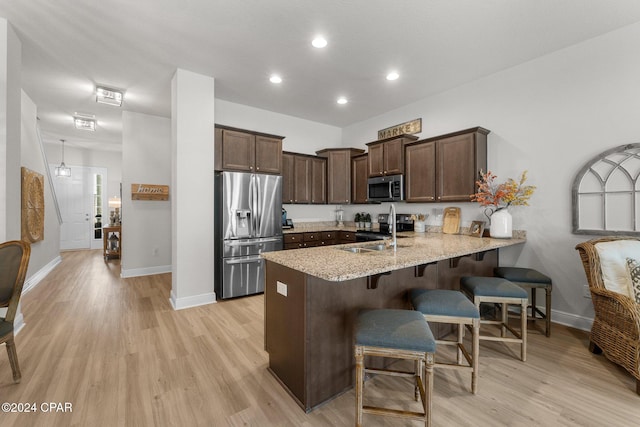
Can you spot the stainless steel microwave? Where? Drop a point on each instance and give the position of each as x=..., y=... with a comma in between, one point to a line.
x=385, y=189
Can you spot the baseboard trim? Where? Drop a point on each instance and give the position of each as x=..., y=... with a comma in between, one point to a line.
x=192, y=301
x=147, y=271
x=37, y=277
x=572, y=320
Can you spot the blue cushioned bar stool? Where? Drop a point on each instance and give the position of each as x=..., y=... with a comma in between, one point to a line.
x=448, y=306
x=529, y=278
x=496, y=290
x=399, y=334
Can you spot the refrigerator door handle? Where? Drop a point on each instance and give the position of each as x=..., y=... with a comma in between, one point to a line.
x=252, y=220
x=252, y=242
x=243, y=261
x=256, y=203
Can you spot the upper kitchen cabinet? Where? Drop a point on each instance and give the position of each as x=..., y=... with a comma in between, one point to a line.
x=339, y=173
x=420, y=168
x=359, y=178
x=288, y=181
x=445, y=168
x=386, y=156
x=318, y=180
x=304, y=179
x=247, y=151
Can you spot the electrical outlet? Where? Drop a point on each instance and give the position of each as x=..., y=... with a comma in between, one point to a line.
x=586, y=292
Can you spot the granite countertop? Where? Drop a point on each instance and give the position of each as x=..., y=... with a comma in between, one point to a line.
x=332, y=263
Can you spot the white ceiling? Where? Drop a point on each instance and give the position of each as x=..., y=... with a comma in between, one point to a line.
x=69, y=46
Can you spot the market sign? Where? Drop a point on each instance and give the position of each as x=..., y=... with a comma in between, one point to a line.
x=411, y=127
x=149, y=192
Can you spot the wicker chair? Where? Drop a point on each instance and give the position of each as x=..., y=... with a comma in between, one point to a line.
x=616, y=326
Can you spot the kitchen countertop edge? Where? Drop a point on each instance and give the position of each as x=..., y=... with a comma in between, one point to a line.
x=333, y=263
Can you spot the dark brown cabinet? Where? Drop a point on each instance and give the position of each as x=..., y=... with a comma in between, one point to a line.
x=339, y=173
x=318, y=180
x=359, y=177
x=318, y=238
x=386, y=157
x=445, y=168
x=288, y=181
x=304, y=179
x=420, y=168
x=246, y=151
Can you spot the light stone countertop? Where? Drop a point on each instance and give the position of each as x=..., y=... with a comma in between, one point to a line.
x=334, y=264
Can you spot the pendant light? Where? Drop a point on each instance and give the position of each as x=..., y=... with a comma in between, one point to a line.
x=63, y=170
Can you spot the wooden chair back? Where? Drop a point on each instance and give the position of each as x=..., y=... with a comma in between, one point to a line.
x=14, y=260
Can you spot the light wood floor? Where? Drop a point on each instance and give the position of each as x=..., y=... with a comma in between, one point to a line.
x=116, y=351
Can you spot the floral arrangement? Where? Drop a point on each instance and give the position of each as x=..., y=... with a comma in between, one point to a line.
x=496, y=196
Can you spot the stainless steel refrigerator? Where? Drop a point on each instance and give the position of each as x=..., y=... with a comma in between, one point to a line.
x=248, y=221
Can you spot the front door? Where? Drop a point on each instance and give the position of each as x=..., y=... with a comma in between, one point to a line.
x=77, y=198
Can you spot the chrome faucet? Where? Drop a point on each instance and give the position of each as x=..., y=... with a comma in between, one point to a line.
x=393, y=226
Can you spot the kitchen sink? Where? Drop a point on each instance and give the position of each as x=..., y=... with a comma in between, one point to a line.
x=365, y=249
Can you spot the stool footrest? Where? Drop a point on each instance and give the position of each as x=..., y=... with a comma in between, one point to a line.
x=453, y=366
x=397, y=413
x=500, y=339
x=390, y=372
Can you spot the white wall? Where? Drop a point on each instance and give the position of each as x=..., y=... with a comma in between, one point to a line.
x=549, y=116
x=301, y=136
x=10, y=101
x=46, y=253
x=146, y=224
x=192, y=134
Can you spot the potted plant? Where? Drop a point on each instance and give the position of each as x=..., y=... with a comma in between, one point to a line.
x=367, y=221
x=496, y=199
x=358, y=220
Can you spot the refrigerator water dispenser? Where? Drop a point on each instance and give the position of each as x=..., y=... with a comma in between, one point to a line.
x=243, y=216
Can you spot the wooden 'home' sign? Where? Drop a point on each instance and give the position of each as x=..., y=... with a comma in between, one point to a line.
x=149, y=192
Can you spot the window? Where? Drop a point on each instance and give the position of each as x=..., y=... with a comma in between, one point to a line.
x=97, y=206
x=606, y=193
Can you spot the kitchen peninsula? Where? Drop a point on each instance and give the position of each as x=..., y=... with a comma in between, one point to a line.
x=312, y=297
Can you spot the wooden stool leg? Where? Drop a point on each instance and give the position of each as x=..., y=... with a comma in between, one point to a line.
x=505, y=309
x=359, y=384
x=13, y=360
x=428, y=388
x=547, y=312
x=523, y=332
x=475, y=342
x=533, y=303
x=460, y=343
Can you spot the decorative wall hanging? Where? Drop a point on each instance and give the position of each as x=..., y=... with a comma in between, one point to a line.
x=32, y=221
x=410, y=127
x=606, y=193
x=149, y=192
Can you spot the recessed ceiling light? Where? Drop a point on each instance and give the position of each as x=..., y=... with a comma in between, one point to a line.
x=342, y=100
x=393, y=76
x=275, y=78
x=319, y=42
